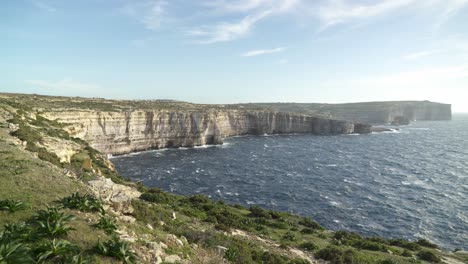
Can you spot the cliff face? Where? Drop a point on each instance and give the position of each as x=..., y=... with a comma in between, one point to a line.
x=370, y=112
x=391, y=112
x=129, y=131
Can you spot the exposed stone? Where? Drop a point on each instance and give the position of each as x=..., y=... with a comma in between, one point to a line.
x=172, y=259
x=117, y=195
x=130, y=131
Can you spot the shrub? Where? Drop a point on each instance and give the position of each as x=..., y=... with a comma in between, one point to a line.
x=156, y=195
x=309, y=246
x=406, y=253
x=107, y=224
x=11, y=205
x=55, y=249
x=426, y=243
x=117, y=249
x=256, y=211
x=308, y=231
x=84, y=203
x=53, y=222
x=429, y=256
x=290, y=236
x=17, y=231
x=307, y=222
x=404, y=244
x=336, y=255
x=12, y=251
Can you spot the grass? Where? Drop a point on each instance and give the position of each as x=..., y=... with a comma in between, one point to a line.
x=88, y=235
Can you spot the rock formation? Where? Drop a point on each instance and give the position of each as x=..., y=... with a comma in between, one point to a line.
x=370, y=112
x=123, y=132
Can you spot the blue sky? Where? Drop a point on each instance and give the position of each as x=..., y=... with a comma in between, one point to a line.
x=221, y=51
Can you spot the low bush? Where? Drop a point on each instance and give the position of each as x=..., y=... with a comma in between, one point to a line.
x=55, y=250
x=13, y=251
x=426, y=243
x=117, y=249
x=17, y=231
x=404, y=244
x=107, y=224
x=309, y=246
x=53, y=222
x=11, y=205
x=337, y=255
x=307, y=222
x=84, y=203
x=429, y=256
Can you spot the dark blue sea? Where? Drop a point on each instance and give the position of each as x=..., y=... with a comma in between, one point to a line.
x=411, y=183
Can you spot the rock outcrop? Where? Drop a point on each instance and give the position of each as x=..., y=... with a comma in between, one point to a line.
x=123, y=132
x=368, y=112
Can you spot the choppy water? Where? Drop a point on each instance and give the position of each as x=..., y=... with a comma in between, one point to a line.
x=412, y=183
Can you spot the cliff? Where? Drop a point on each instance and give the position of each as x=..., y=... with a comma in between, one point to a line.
x=369, y=112
x=123, y=132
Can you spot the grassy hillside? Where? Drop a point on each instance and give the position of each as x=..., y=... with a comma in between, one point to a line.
x=50, y=212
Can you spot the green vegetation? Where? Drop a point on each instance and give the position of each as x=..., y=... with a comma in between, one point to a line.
x=83, y=203
x=117, y=249
x=107, y=224
x=11, y=205
x=76, y=230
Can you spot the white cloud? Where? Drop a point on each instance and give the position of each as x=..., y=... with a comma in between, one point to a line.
x=346, y=11
x=150, y=13
x=66, y=86
x=223, y=31
x=253, y=53
x=257, y=10
x=230, y=6
x=420, y=54
x=43, y=6
x=336, y=12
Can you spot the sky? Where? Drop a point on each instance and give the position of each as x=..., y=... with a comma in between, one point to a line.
x=238, y=51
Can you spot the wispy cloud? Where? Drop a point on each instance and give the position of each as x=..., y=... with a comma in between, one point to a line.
x=257, y=10
x=337, y=12
x=420, y=54
x=150, y=13
x=227, y=31
x=346, y=11
x=253, y=53
x=249, y=5
x=44, y=6
x=65, y=86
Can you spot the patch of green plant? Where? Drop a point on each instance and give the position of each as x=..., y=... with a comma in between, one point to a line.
x=337, y=255
x=53, y=222
x=356, y=241
x=55, y=250
x=426, y=243
x=107, y=224
x=17, y=231
x=12, y=251
x=309, y=246
x=11, y=205
x=404, y=244
x=117, y=249
x=84, y=203
x=309, y=223
x=429, y=256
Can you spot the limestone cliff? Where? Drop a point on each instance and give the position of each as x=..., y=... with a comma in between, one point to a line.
x=120, y=132
x=368, y=112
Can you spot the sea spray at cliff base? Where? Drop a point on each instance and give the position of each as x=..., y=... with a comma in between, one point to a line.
x=410, y=184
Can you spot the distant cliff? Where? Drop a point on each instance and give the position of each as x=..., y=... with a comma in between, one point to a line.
x=120, y=132
x=371, y=112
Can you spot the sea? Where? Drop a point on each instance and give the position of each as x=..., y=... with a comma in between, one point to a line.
x=409, y=183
